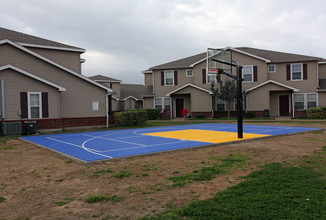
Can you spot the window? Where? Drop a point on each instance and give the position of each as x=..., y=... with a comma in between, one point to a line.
x=211, y=78
x=296, y=71
x=34, y=105
x=304, y=101
x=311, y=100
x=271, y=68
x=168, y=77
x=189, y=73
x=220, y=104
x=247, y=73
x=163, y=104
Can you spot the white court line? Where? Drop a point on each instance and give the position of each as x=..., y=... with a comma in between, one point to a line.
x=145, y=146
x=110, y=139
x=91, y=151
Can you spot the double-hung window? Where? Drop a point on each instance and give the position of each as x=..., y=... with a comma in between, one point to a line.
x=163, y=104
x=34, y=105
x=220, y=104
x=247, y=73
x=296, y=71
x=169, y=77
x=304, y=101
x=211, y=78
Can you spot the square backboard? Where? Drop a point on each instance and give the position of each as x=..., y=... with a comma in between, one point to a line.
x=215, y=55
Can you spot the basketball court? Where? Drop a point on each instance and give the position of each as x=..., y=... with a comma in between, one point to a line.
x=104, y=145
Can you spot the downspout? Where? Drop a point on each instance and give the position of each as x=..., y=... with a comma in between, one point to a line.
x=107, y=110
x=171, y=107
x=3, y=109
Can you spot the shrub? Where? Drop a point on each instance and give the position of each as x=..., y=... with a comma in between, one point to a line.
x=250, y=115
x=317, y=113
x=200, y=116
x=152, y=113
x=130, y=118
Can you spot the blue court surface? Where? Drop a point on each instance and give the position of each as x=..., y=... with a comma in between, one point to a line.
x=110, y=144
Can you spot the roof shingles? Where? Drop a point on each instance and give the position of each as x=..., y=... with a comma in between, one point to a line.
x=22, y=38
x=273, y=56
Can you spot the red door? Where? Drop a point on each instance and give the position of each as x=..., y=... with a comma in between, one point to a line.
x=284, y=105
x=178, y=107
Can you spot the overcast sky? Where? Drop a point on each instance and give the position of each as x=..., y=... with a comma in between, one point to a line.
x=124, y=37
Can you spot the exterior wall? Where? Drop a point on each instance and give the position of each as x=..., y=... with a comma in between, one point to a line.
x=148, y=79
x=15, y=83
x=266, y=97
x=245, y=60
x=76, y=101
x=69, y=59
x=309, y=85
x=116, y=88
x=259, y=99
x=322, y=71
x=148, y=103
x=322, y=99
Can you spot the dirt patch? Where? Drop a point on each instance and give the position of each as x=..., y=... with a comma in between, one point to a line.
x=38, y=184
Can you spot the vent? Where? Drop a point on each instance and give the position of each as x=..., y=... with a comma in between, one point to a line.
x=12, y=128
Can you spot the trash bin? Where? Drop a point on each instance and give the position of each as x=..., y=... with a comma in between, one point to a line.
x=266, y=113
x=30, y=127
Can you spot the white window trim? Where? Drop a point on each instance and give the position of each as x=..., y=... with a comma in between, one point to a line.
x=162, y=99
x=301, y=72
x=252, y=74
x=305, y=99
x=207, y=77
x=192, y=72
x=29, y=106
x=165, y=72
x=216, y=99
x=273, y=70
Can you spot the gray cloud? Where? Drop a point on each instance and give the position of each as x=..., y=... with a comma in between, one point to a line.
x=124, y=37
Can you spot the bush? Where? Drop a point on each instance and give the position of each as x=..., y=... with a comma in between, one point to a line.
x=317, y=113
x=130, y=118
x=153, y=113
x=250, y=115
x=200, y=116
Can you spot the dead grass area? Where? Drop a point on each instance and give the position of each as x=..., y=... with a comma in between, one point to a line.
x=36, y=183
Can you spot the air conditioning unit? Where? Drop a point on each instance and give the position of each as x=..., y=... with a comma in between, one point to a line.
x=12, y=128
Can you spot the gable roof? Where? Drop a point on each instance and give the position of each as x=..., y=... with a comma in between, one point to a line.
x=135, y=91
x=101, y=78
x=273, y=82
x=189, y=85
x=266, y=55
x=8, y=66
x=33, y=41
x=6, y=41
x=277, y=57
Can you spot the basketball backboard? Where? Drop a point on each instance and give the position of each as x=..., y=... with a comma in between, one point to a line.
x=221, y=55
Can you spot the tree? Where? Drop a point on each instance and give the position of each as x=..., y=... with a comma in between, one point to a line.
x=227, y=91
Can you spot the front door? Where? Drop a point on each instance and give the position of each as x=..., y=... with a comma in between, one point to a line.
x=284, y=102
x=178, y=106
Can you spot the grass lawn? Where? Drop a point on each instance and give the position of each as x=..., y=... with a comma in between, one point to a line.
x=276, y=191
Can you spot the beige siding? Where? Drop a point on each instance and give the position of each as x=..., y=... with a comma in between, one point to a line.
x=259, y=99
x=309, y=85
x=148, y=79
x=15, y=83
x=77, y=100
x=68, y=59
x=322, y=99
x=116, y=89
x=148, y=103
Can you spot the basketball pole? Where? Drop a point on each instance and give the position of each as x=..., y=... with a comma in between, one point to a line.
x=239, y=80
